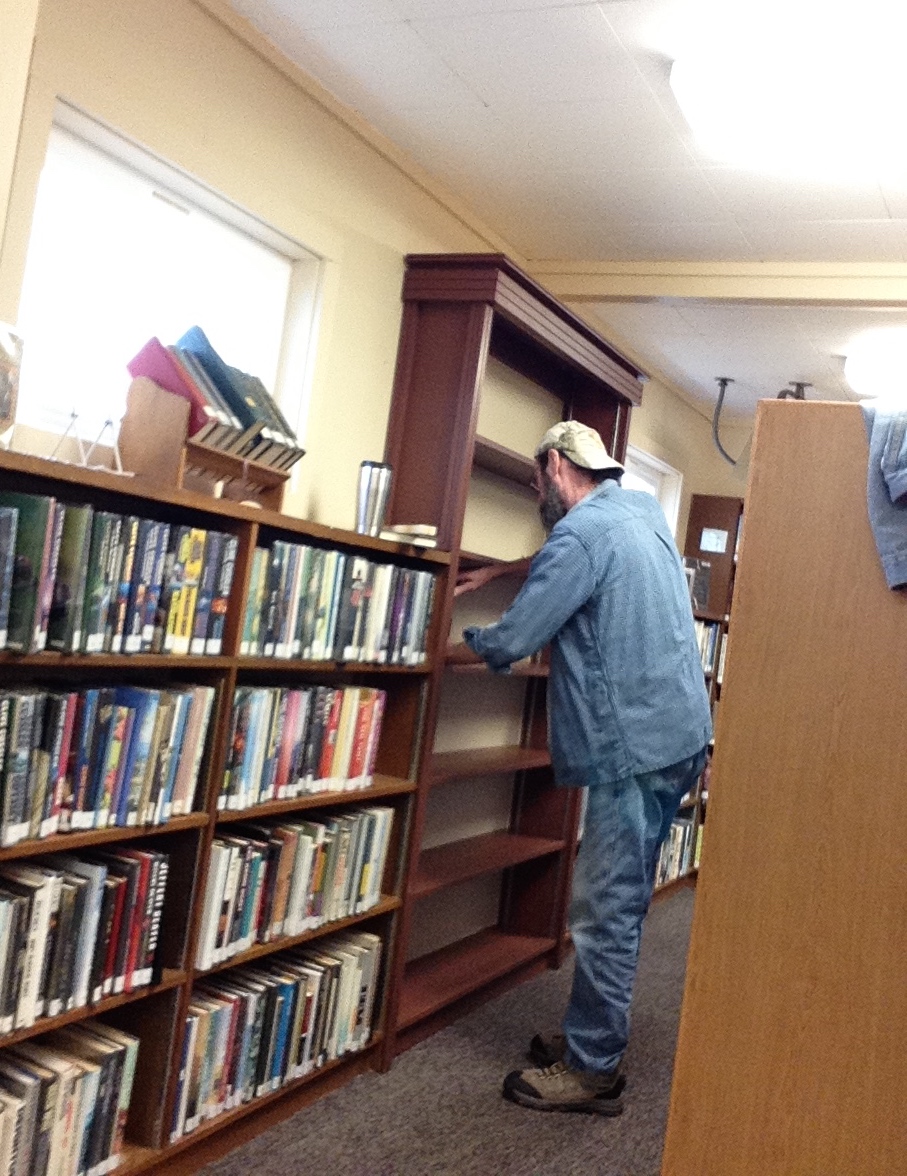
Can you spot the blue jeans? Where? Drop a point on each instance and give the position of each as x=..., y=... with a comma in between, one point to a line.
x=614, y=875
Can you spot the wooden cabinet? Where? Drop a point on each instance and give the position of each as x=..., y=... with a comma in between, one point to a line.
x=790, y=1055
x=157, y=1012
x=487, y=362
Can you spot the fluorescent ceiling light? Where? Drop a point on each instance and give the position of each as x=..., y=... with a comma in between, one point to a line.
x=876, y=363
x=803, y=88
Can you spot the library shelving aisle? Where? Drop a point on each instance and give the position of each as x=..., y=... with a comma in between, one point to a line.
x=712, y=543
x=487, y=362
x=247, y=809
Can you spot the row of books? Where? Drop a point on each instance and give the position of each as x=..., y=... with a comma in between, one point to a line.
x=98, y=757
x=229, y=409
x=708, y=636
x=289, y=742
x=64, y=1101
x=322, y=605
x=278, y=880
x=676, y=855
x=254, y=1029
x=78, y=580
x=75, y=929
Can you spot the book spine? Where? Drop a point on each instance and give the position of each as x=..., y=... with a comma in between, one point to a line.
x=9, y=517
x=217, y=619
x=142, y=566
x=124, y=583
x=208, y=583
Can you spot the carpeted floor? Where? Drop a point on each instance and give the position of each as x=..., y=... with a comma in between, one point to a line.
x=439, y=1111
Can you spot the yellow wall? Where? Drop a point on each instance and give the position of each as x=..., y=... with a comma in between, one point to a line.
x=171, y=76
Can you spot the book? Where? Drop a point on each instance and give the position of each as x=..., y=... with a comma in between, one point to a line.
x=33, y=540
x=156, y=363
x=222, y=589
x=9, y=521
x=99, y=584
x=207, y=587
x=64, y=629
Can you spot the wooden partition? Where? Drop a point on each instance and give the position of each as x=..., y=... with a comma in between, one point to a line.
x=791, y=1053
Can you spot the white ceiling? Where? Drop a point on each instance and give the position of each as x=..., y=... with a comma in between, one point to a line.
x=555, y=121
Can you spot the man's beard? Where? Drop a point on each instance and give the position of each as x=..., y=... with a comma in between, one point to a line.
x=552, y=508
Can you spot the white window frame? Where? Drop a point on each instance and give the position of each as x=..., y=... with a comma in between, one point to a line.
x=668, y=479
x=293, y=389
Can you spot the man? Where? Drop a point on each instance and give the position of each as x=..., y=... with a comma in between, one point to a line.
x=629, y=720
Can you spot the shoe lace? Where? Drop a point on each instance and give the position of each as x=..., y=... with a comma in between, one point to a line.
x=554, y=1070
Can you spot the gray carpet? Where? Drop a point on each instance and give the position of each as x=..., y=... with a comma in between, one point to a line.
x=439, y=1111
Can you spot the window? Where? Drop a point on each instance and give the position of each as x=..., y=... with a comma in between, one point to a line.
x=644, y=472
x=124, y=247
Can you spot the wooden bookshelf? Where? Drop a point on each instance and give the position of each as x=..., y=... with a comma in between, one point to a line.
x=713, y=515
x=459, y=313
x=798, y=943
x=156, y=1013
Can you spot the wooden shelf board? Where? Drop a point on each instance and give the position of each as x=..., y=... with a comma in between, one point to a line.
x=172, y=979
x=523, y=669
x=383, y=786
x=506, y=463
x=437, y=980
x=297, y=666
x=48, y=660
x=78, y=838
x=484, y=761
x=387, y=904
x=446, y=865
x=679, y=883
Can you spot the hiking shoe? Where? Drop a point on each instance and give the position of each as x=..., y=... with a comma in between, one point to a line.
x=560, y=1088
x=547, y=1051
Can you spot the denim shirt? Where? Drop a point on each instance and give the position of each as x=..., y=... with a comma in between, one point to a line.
x=626, y=689
x=886, y=487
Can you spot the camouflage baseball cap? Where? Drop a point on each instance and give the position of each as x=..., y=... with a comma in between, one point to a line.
x=582, y=445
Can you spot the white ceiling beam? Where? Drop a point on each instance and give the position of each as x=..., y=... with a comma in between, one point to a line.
x=815, y=283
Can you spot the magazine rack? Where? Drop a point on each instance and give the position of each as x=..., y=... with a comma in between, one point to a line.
x=153, y=444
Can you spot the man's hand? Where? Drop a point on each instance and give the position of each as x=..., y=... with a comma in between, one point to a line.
x=458, y=653
x=474, y=578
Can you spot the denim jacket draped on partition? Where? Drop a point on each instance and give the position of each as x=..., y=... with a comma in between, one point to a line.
x=627, y=693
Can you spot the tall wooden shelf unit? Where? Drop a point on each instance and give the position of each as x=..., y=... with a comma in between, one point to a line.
x=791, y=1049
x=714, y=516
x=157, y=1014
x=461, y=312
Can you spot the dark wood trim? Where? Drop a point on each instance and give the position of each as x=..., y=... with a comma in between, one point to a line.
x=458, y=861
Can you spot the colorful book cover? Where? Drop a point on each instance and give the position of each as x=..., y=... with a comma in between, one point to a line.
x=207, y=587
x=99, y=585
x=218, y=617
x=192, y=556
x=64, y=628
x=32, y=551
x=142, y=567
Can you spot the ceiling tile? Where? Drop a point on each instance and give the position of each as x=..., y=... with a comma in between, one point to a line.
x=548, y=55
x=379, y=67
x=271, y=16
x=749, y=194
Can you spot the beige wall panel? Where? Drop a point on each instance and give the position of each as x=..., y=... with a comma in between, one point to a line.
x=514, y=411
x=480, y=711
x=451, y=915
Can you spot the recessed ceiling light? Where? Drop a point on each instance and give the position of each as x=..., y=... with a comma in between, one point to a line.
x=802, y=88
